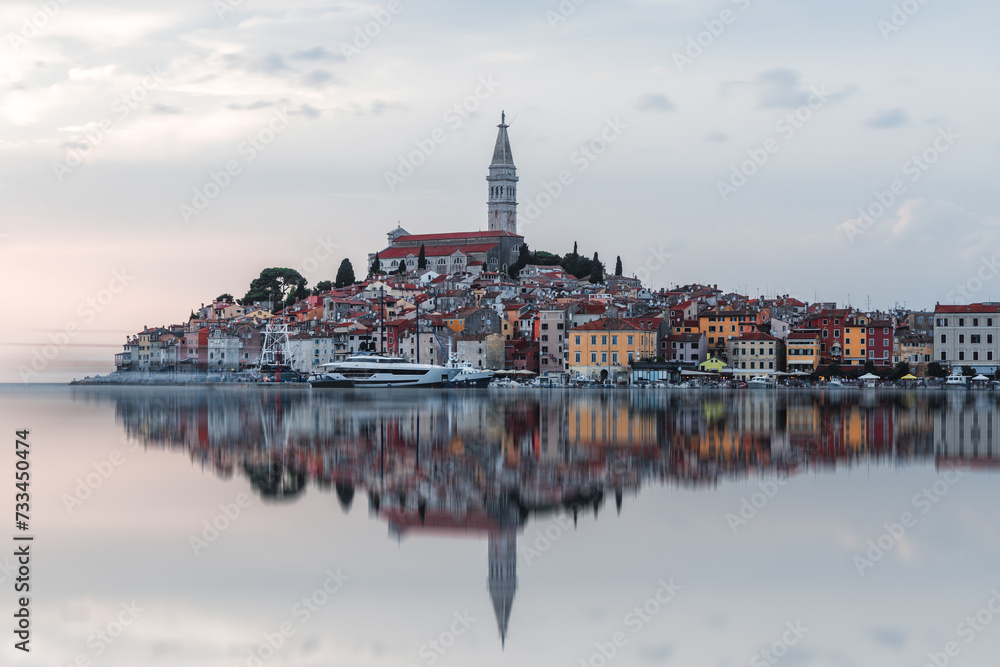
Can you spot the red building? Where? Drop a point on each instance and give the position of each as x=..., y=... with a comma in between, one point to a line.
x=830, y=324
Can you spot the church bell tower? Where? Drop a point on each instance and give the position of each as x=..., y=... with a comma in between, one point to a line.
x=502, y=181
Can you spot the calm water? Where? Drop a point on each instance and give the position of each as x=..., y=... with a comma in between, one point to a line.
x=515, y=528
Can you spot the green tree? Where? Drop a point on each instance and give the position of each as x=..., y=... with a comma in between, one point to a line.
x=322, y=286
x=900, y=369
x=969, y=371
x=870, y=367
x=274, y=285
x=376, y=267
x=596, y=271
x=226, y=297
x=571, y=263
x=618, y=266
x=834, y=370
x=542, y=258
x=523, y=256
x=345, y=274
x=402, y=268
x=422, y=258
x=936, y=370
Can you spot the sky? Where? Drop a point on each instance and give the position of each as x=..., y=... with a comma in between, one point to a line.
x=156, y=155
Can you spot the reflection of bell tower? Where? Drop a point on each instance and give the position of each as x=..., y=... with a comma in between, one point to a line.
x=503, y=576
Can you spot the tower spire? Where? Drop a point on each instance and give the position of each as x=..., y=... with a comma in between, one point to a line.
x=502, y=182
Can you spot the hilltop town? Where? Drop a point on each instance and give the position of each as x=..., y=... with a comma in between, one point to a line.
x=485, y=299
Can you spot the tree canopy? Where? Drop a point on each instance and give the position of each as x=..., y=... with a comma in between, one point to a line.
x=275, y=285
x=345, y=274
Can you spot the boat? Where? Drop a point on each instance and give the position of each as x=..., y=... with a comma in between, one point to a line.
x=761, y=382
x=956, y=380
x=469, y=377
x=835, y=383
x=330, y=381
x=370, y=370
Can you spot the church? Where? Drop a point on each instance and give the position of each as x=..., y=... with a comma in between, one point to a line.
x=476, y=252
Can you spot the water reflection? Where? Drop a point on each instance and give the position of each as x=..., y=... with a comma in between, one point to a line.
x=483, y=463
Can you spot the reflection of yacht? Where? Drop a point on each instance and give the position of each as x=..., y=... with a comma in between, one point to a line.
x=375, y=371
x=330, y=381
x=956, y=380
x=761, y=382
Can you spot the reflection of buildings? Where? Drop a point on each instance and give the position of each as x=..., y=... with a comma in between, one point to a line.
x=483, y=463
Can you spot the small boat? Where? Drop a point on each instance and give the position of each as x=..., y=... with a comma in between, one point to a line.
x=956, y=380
x=835, y=383
x=469, y=377
x=761, y=382
x=330, y=381
x=369, y=370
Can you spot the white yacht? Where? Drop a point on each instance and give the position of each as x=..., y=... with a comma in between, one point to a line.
x=956, y=380
x=376, y=371
x=835, y=383
x=761, y=382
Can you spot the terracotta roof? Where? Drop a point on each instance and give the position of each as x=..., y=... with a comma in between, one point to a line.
x=968, y=308
x=608, y=324
x=436, y=251
x=454, y=235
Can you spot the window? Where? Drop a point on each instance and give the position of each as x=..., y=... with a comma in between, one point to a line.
x=593, y=340
x=545, y=326
x=989, y=355
x=989, y=338
x=604, y=340
x=961, y=338
x=944, y=338
x=604, y=357
x=961, y=356
x=989, y=321
x=974, y=338
x=826, y=334
x=577, y=340
x=614, y=358
x=975, y=355
x=961, y=321
x=770, y=350
x=614, y=340
x=975, y=321
x=593, y=357
x=885, y=342
x=871, y=342
x=944, y=357
x=631, y=340
x=712, y=328
x=770, y=364
x=751, y=364
x=836, y=321
x=836, y=333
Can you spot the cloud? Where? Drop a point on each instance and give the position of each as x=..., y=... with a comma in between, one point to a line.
x=886, y=119
x=380, y=106
x=779, y=88
x=164, y=109
x=318, y=78
x=306, y=111
x=889, y=637
x=316, y=53
x=259, y=104
x=655, y=102
x=270, y=64
x=656, y=654
x=719, y=137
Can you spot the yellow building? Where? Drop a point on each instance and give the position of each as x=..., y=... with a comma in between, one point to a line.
x=802, y=350
x=721, y=325
x=604, y=348
x=712, y=365
x=855, y=336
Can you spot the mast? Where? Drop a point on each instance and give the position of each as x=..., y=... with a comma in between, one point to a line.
x=381, y=321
